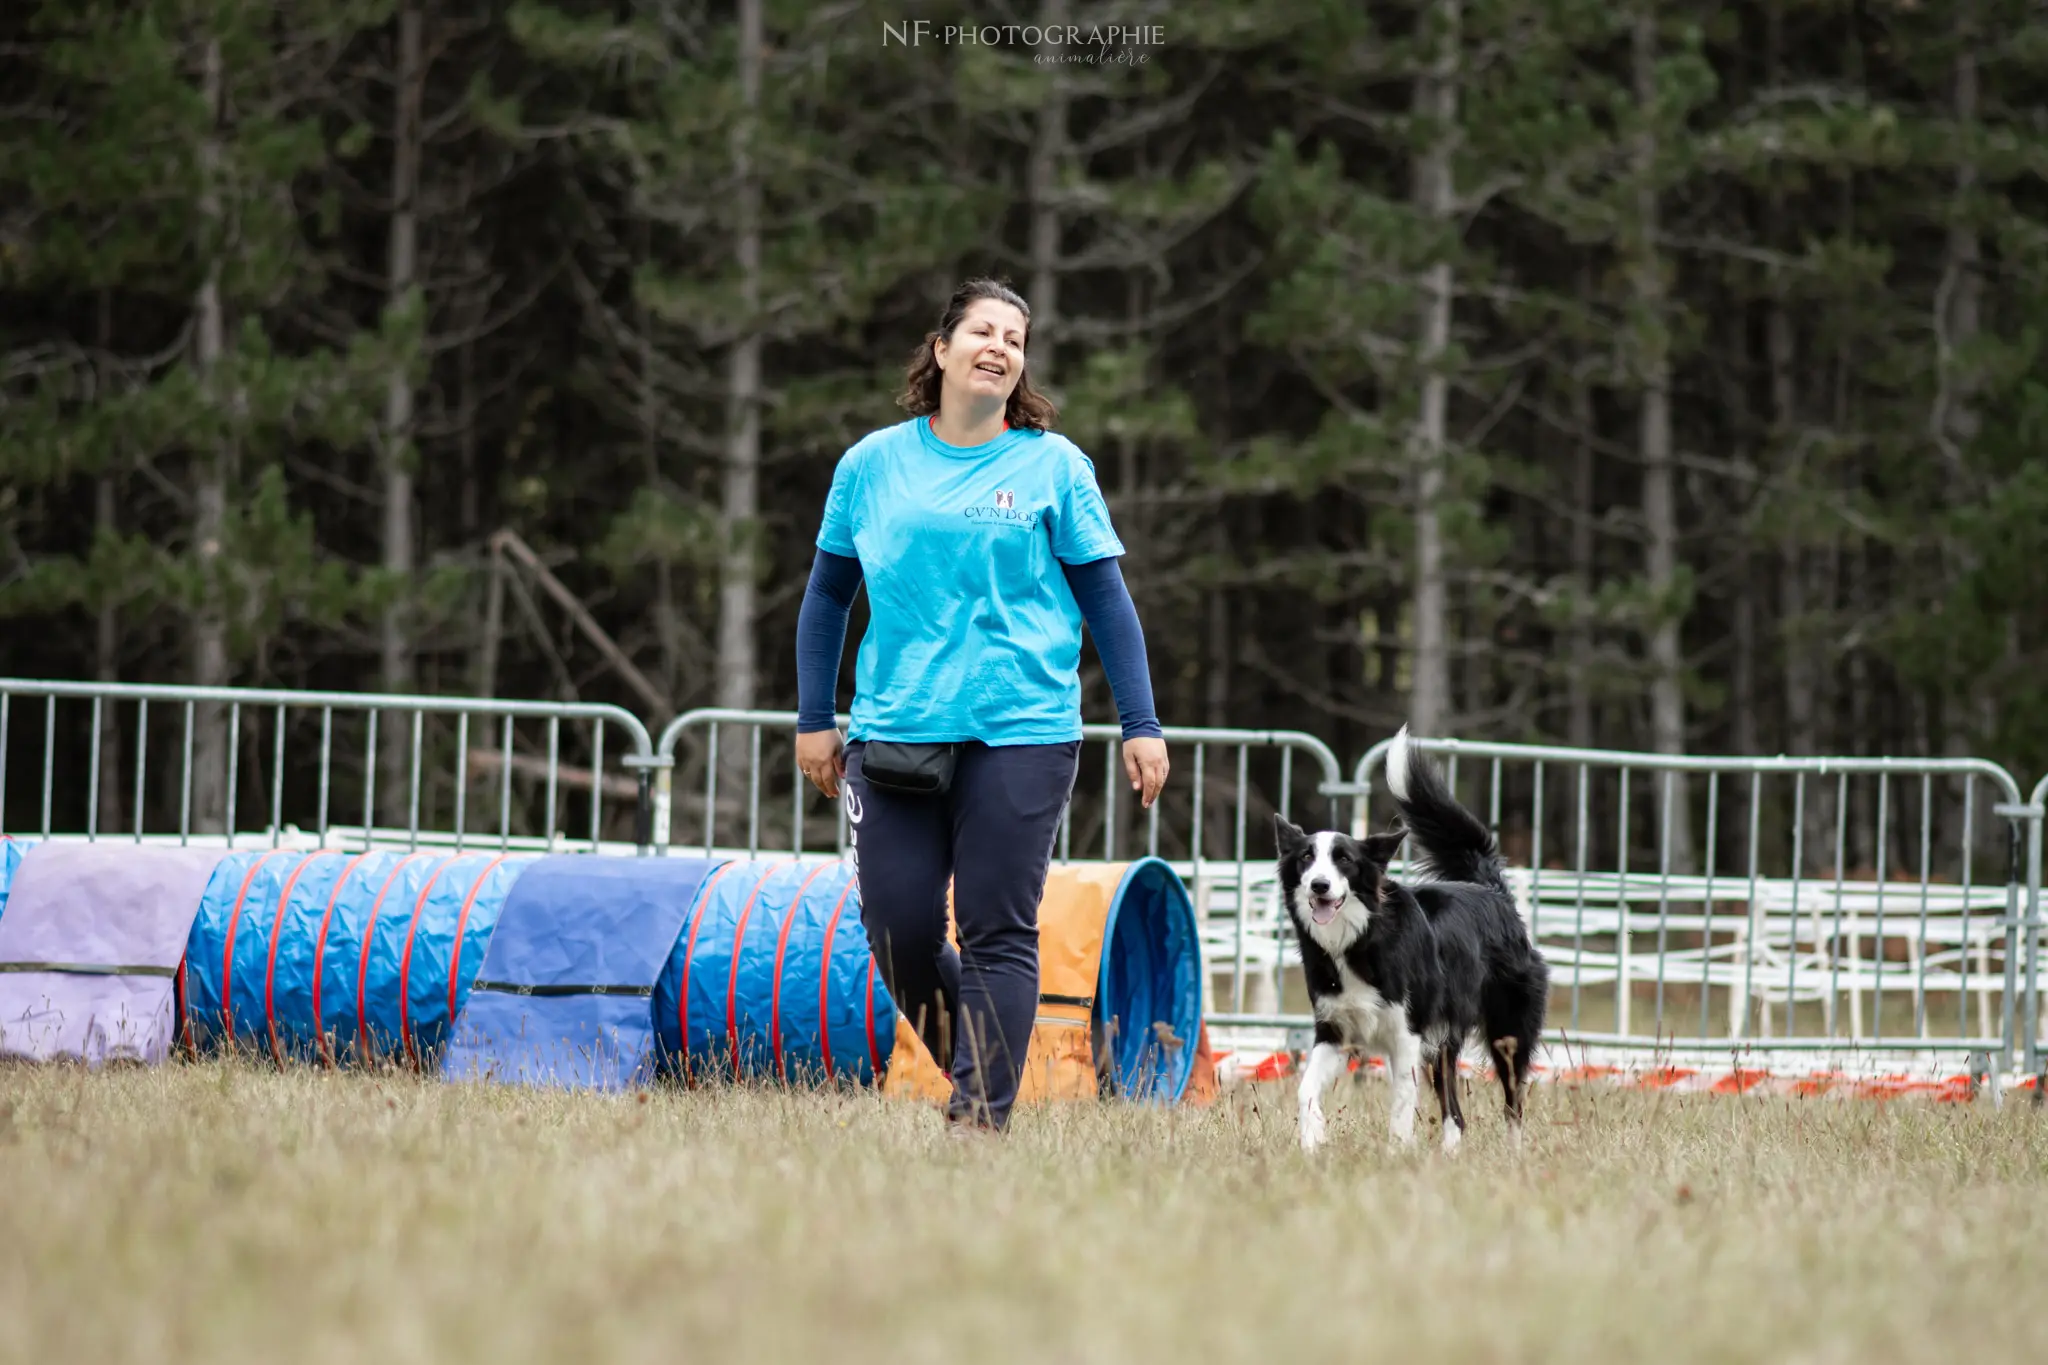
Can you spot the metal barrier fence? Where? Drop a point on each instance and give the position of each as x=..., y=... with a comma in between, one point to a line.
x=2036, y=1059
x=1825, y=905
x=117, y=783
x=1658, y=937
x=1212, y=823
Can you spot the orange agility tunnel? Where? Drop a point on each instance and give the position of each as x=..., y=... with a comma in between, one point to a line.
x=1120, y=993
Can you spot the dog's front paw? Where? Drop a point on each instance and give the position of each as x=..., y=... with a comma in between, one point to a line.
x=1453, y=1135
x=1314, y=1128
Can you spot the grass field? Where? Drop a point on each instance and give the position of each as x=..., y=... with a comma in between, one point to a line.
x=226, y=1214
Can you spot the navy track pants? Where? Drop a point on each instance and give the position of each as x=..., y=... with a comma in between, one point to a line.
x=992, y=835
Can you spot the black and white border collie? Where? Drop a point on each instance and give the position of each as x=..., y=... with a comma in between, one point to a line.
x=1410, y=972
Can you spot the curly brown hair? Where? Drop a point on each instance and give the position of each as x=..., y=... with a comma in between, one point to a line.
x=922, y=377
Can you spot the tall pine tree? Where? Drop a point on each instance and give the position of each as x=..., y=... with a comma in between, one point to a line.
x=166, y=173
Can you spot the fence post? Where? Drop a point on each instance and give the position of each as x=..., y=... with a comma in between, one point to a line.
x=643, y=812
x=2021, y=941
x=2016, y=876
x=651, y=801
x=2036, y=1066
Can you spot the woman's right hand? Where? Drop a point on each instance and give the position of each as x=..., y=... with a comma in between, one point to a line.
x=820, y=756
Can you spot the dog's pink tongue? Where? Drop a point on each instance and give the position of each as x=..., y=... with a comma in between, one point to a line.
x=1322, y=911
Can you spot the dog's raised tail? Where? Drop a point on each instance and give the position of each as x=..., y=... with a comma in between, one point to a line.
x=1447, y=841
x=1397, y=766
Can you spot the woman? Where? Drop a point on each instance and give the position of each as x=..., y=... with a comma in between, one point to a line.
x=985, y=544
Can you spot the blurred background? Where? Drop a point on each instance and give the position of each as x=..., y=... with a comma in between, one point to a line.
x=1664, y=376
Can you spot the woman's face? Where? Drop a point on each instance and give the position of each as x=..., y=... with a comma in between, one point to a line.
x=984, y=358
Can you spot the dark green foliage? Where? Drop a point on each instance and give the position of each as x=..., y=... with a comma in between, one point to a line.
x=1235, y=341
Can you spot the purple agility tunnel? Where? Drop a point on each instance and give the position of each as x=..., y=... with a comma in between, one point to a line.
x=89, y=949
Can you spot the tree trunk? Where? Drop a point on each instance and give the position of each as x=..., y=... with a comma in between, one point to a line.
x=489, y=592
x=1802, y=683
x=1742, y=666
x=1862, y=795
x=1660, y=518
x=107, y=668
x=470, y=508
x=1957, y=323
x=209, y=631
x=1216, y=708
x=495, y=569
x=1802, y=672
x=1136, y=513
x=741, y=507
x=1802, y=678
x=1048, y=158
x=107, y=635
x=1579, y=721
x=667, y=630
x=400, y=561
x=1742, y=613
x=1962, y=283
x=1430, y=707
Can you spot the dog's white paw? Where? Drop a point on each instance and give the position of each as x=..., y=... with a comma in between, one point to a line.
x=1402, y=1131
x=1453, y=1136
x=1315, y=1130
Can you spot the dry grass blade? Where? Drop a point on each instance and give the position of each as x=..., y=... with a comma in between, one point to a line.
x=230, y=1214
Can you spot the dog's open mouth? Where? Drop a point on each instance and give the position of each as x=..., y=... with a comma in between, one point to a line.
x=1323, y=909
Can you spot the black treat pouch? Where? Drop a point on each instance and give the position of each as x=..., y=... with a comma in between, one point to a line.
x=908, y=769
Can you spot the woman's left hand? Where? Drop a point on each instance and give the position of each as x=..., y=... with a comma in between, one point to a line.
x=1145, y=763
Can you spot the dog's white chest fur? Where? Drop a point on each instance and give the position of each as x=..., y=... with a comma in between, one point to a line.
x=1368, y=1020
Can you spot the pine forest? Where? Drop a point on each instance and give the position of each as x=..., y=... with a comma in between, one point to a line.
x=1653, y=375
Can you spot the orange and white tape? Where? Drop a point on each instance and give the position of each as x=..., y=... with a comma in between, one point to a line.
x=1250, y=1066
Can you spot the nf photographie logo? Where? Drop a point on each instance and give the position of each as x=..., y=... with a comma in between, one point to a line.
x=1095, y=44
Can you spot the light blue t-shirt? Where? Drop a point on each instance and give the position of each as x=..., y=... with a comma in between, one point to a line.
x=972, y=632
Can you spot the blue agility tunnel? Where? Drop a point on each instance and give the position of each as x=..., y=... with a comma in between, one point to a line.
x=11, y=851
x=604, y=972
x=340, y=956
x=562, y=997
x=772, y=978
x=1149, y=992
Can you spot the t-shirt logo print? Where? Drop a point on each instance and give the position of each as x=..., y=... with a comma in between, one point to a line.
x=1001, y=510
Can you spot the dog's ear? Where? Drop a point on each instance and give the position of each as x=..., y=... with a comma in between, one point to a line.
x=1287, y=835
x=1381, y=848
